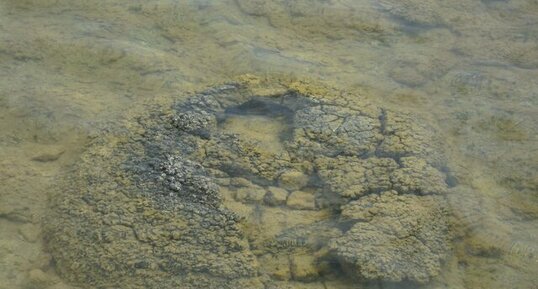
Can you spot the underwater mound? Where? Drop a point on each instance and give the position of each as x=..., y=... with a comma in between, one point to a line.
x=251, y=184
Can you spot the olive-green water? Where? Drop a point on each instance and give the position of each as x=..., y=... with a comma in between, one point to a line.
x=69, y=68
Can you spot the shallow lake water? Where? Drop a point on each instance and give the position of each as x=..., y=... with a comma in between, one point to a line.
x=69, y=70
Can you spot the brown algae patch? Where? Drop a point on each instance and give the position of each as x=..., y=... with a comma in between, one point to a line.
x=233, y=188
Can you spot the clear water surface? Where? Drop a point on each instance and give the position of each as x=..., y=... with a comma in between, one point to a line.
x=470, y=67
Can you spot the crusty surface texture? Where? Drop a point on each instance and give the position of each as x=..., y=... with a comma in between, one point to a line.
x=190, y=193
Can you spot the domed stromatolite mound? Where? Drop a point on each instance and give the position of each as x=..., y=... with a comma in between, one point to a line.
x=194, y=194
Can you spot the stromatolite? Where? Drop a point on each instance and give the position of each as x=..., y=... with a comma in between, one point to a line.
x=193, y=194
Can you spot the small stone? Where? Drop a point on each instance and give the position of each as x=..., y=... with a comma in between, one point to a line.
x=240, y=182
x=477, y=246
x=408, y=75
x=38, y=279
x=293, y=180
x=250, y=194
x=29, y=232
x=303, y=267
x=222, y=181
x=48, y=155
x=277, y=266
x=43, y=261
x=301, y=200
x=226, y=193
x=241, y=209
x=275, y=196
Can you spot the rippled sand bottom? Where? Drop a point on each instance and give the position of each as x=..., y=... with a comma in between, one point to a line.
x=68, y=69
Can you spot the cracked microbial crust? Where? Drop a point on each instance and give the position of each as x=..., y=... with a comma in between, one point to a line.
x=394, y=237
x=169, y=200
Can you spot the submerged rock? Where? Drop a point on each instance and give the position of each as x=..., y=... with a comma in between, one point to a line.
x=301, y=200
x=419, y=13
x=182, y=194
x=275, y=196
